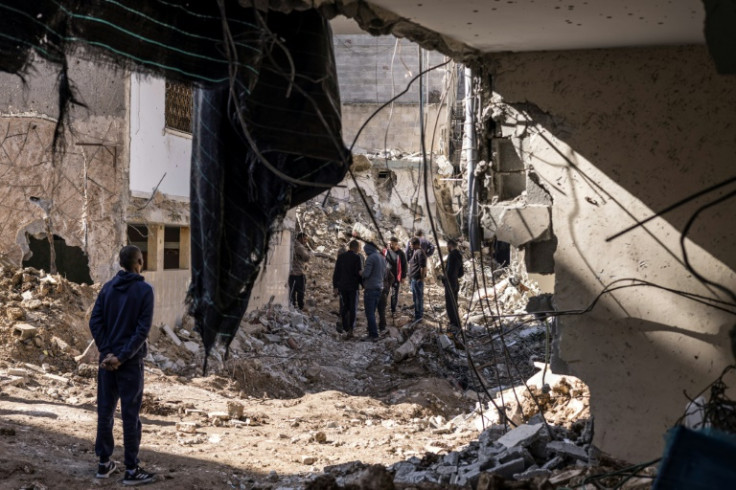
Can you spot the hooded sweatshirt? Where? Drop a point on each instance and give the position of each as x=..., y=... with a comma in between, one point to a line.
x=375, y=268
x=122, y=316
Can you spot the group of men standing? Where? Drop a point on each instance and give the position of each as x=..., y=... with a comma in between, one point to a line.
x=381, y=275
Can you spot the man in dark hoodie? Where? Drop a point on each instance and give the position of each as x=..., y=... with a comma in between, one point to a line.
x=451, y=281
x=373, y=274
x=345, y=281
x=120, y=322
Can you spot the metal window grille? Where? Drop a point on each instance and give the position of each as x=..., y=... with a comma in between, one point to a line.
x=179, y=106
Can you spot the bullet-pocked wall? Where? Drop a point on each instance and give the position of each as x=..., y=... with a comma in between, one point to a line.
x=615, y=135
x=78, y=196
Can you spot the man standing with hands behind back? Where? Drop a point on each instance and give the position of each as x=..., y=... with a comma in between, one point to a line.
x=120, y=322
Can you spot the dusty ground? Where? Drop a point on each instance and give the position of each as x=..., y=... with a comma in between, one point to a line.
x=47, y=425
x=49, y=444
x=310, y=398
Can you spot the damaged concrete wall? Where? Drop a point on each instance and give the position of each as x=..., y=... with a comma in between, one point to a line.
x=615, y=135
x=393, y=190
x=82, y=190
x=371, y=70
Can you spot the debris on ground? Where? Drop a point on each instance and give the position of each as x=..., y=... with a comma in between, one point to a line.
x=294, y=403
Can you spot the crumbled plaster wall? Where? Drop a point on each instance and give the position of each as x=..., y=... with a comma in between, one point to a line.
x=393, y=191
x=86, y=213
x=158, y=209
x=615, y=135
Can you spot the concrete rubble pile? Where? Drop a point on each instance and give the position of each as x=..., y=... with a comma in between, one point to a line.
x=551, y=449
x=43, y=318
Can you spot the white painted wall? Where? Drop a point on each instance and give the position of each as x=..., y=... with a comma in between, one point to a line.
x=154, y=150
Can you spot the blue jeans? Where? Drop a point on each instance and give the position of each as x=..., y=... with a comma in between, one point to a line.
x=370, y=301
x=124, y=384
x=417, y=294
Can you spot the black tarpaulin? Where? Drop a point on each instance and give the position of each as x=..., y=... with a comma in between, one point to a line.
x=266, y=129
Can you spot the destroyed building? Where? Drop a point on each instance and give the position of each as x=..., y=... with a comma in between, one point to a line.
x=586, y=118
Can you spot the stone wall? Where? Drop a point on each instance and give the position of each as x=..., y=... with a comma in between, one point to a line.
x=615, y=135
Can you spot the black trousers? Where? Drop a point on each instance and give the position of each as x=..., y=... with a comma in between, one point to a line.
x=297, y=285
x=451, y=293
x=393, y=293
x=348, y=308
x=124, y=384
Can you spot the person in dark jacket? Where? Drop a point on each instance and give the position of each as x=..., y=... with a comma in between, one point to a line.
x=346, y=280
x=417, y=273
x=397, y=268
x=451, y=281
x=373, y=275
x=424, y=244
x=120, y=322
x=297, y=278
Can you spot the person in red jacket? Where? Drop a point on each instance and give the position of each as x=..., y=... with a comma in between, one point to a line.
x=396, y=269
x=120, y=322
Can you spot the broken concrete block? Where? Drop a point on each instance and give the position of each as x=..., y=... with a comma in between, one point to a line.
x=568, y=449
x=32, y=304
x=523, y=435
x=218, y=415
x=414, y=478
x=467, y=476
x=170, y=333
x=491, y=434
x=534, y=472
x=24, y=331
x=191, y=346
x=59, y=344
x=445, y=342
x=14, y=313
x=452, y=458
x=553, y=463
x=508, y=469
x=446, y=470
x=186, y=427
x=410, y=347
x=13, y=381
x=516, y=453
x=234, y=410
x=54, y=377
x=517, y=225
x=308, y=459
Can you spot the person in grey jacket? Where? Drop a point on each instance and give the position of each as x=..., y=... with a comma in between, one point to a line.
x=373, y=272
